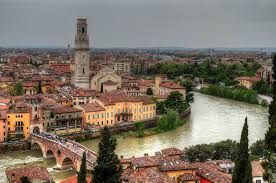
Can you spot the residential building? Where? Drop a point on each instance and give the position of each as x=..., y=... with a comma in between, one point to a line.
x=247, y=82
x=122, y=67
x=18, y=119
x=3, y=126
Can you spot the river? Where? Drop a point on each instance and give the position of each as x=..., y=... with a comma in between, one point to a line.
x=212, y=119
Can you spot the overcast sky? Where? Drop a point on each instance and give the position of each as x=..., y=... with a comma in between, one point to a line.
x=140, y=23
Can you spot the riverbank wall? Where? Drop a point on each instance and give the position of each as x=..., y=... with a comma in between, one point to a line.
x=15, y=146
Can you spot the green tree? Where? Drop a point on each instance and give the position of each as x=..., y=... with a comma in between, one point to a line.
x=270, y=136
x=188, y=84
x=140, y=126
x=225, y=150
x=243, y=168
x=39, y=88
x=18, y=89
x=175, y=102
x=258, y=148
x=149, y=91
x=25, y=179
x=169, y=121
x=108, y=168
x=82, y=172
x=200, y=152
x=262, y=87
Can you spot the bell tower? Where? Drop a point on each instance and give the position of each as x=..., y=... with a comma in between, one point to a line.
x=82, y=62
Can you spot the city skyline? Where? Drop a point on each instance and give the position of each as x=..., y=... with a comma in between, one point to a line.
x=121, y=23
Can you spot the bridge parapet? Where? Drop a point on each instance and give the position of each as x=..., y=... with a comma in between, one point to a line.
x=64, y=149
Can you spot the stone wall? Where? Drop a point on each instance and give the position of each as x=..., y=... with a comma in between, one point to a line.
x=15, y=146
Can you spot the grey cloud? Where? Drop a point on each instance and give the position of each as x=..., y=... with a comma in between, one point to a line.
x=131, y=23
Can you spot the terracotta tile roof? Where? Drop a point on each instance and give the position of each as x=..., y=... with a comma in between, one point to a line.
x=250, y=79
x=170, y=163
x=74, y=179
x=257, y=169
x=109, y=82
x=65, y=109
x=83, y=93
x=211, y=172
x=171, y=85
x=188, y=177
x=171, y=151
x=147, y=161
x=110, y=98
x=147, y=175
x=6, y=79
x=92, y=107
x=32, y=172
x=147, y=83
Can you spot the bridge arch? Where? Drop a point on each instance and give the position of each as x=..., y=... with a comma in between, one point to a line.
x=67, y=163
x=50, y=154
x=39, y=146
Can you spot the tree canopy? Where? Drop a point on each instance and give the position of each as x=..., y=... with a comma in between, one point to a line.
x=108, y=168
x=17, y=89
x=270, y=136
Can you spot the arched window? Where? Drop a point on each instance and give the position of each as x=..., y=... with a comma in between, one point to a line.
x=83, y=70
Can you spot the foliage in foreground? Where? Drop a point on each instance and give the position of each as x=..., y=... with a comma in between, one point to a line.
x=226, y=149
x=243, y=168
x=82, y=172
x=108, y=168
x=270, y=136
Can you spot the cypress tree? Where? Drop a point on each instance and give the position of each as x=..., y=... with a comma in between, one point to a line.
x=82, y=172
x=270, y=136
x=271, y=133
x=39, y=88
x=108, y=168
x=243, y=168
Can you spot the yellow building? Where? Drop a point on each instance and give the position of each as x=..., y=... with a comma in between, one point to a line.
x=18, y=120
x=3, y=127
x=93, y=114
x=114, y=108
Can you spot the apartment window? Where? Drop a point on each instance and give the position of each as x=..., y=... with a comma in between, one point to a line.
x=107, y=115
x=93, y=116
x=88, y=117
x=111, y=121
x=102, y=115
x=98, y=115
x=102, y=122
x=111, y=114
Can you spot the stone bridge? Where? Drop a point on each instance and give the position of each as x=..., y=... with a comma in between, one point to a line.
x=67, y=153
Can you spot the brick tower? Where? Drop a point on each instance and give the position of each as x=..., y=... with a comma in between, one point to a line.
x=82, y=65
